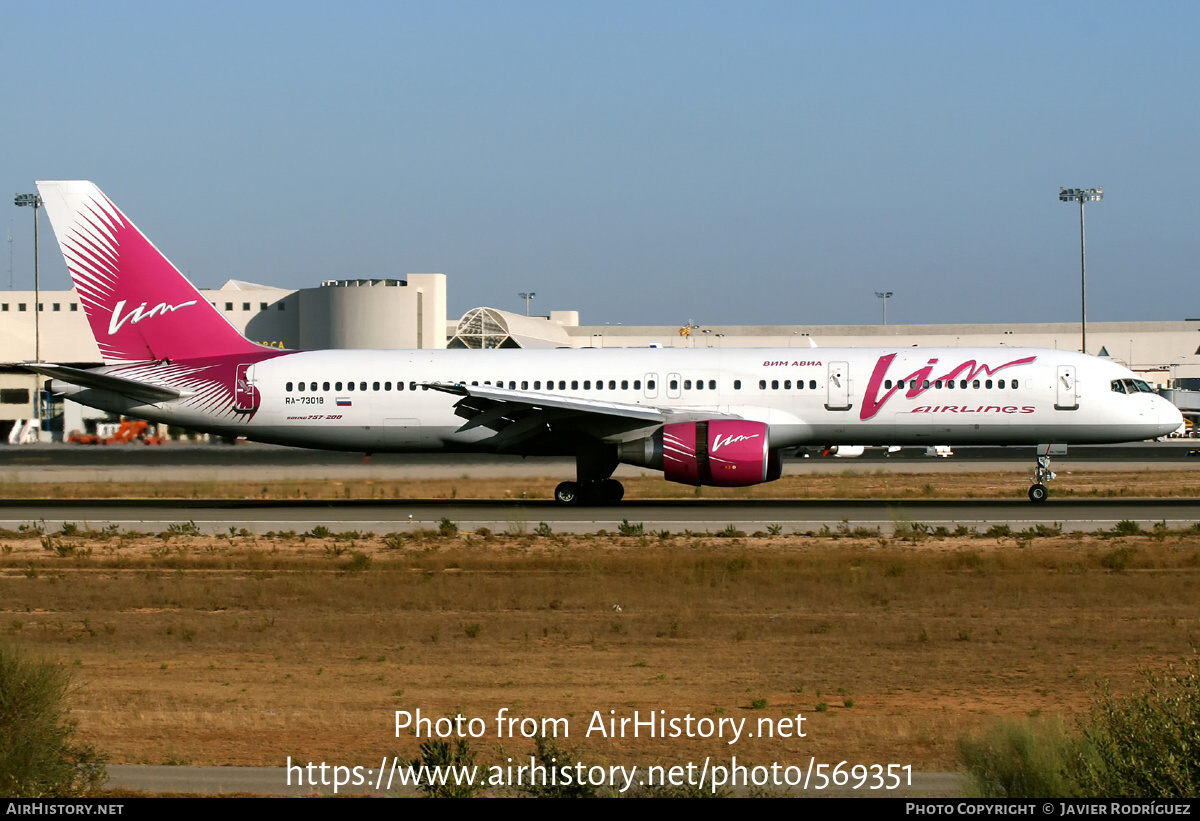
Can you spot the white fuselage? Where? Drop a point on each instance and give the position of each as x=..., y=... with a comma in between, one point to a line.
x=375, y=400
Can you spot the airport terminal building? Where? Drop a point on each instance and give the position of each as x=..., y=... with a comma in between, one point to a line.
x=410, y=313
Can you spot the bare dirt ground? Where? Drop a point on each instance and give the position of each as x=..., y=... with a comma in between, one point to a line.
x=247, y=650
x=851, y=483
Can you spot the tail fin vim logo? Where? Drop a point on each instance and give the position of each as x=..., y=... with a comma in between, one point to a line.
x=115, y=267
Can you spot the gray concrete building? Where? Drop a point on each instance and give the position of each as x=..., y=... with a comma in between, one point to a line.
x=411, y=313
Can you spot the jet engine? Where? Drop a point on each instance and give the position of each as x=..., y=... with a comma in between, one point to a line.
x=717, y=452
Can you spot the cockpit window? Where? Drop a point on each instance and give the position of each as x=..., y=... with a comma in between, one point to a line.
x=1131, y=386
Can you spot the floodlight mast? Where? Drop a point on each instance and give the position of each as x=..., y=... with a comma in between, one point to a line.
x=35, y=201
x=884, y=296
x=1082, y=195
x=527, y=297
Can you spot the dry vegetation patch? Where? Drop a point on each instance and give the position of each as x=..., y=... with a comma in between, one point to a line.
x=852, y=483
x=245, y=649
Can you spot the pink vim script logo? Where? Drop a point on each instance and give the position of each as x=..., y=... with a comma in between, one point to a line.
x=919, y=380
x=139, y=313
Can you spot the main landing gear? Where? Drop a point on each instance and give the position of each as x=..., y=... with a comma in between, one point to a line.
x=595, y=492
x=595, y=462
x=1041, y=474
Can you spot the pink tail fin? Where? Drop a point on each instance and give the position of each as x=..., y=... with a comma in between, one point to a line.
x=139, y=305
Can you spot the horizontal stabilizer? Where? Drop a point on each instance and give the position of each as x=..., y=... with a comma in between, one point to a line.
x=142, y=391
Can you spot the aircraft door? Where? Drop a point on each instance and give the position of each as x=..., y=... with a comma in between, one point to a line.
x=245, y=394
x=1067, y=396
x=651, y=386
x=838, y=386
x=673, y=389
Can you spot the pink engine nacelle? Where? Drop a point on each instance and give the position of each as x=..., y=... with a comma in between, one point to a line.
x=717, y=452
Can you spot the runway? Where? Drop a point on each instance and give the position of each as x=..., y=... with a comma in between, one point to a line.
x=181, y=461
x=699, y=516
x=209, y=462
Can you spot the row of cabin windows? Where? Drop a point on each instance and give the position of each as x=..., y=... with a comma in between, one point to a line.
x=688, y=384
x=962, y=384
x=786, y=384
x=576, y=384
x=301, y=387
x=54, y=306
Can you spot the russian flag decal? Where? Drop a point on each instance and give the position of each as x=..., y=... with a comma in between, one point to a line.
x=344, y=402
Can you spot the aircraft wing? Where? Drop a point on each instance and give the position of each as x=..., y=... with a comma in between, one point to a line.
x=517, y=416
x=141, y=391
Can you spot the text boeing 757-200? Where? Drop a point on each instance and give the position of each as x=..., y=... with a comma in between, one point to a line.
x=702, y=416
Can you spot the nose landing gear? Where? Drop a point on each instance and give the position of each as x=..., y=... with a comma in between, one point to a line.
x=1041, y=475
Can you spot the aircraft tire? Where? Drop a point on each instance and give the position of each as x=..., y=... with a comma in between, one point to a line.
x=567, y=493
x=611, y=491
x=1038, y=493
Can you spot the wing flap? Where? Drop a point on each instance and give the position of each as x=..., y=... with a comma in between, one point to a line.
x=517, y=416
x=533, y=399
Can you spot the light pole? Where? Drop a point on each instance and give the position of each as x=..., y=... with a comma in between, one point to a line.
x=527, y=297
x=35, y=201
x=1082, y=195
x=884, y=296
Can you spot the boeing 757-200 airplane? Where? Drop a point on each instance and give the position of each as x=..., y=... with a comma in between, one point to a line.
x=709, y=416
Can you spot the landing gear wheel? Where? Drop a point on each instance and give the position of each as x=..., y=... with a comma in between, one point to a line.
x=567, y=493
x=1041, y=475
x=611, y=491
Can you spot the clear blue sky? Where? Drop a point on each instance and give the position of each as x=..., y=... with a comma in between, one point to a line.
x=643, y=162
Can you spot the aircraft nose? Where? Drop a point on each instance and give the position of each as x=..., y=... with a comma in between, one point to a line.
x=1169, y=418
